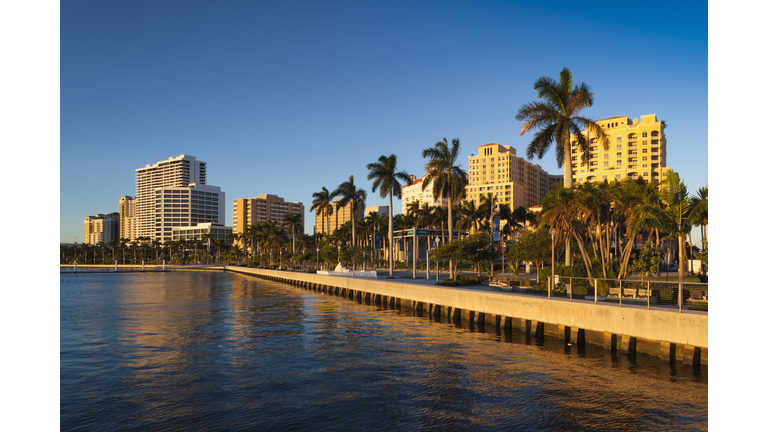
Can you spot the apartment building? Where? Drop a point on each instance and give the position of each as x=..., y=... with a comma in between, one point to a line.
x=414, y=193
x=338, y=217
x=175, y=172
x=187, y=207
x=101, y=228
x=128, y=221
x=638, y=149
x=516, y=182
x=262, y=209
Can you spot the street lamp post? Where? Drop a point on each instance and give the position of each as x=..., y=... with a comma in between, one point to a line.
x=317, y=266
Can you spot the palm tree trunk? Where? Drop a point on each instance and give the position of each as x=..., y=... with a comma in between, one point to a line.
x=391, y=234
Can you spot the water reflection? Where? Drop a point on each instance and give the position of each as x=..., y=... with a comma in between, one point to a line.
x=221, y=351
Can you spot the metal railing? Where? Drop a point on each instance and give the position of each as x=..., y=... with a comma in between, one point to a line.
x=664, y=295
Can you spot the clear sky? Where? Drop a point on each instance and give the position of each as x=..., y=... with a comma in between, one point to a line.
x=285, y=97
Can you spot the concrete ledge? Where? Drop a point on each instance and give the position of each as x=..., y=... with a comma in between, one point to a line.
x=682, y=329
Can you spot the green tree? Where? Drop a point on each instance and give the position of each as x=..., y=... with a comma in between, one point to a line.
x=557, y=118
x=386, y=178
x=321, y=201
x=350, y=194
x=533, y=246
x=291, y=222
x=646, y=261
x=445, y=175
x=673, y=216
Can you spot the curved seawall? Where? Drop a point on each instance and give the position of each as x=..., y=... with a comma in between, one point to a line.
x=668, y=334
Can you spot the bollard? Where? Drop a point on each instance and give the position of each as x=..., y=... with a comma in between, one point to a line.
x=75, y=268
x=163, y=265
x=115, y=266
x=142, y=266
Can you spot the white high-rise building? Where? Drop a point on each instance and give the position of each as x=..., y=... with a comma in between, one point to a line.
x=172, y=193
x=414, y=193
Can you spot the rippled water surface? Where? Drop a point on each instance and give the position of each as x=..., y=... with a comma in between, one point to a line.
x=219, y=351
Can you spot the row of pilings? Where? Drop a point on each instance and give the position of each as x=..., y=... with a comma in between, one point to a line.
x=569, y=336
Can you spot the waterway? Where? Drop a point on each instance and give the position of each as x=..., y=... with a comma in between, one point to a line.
x=220, y=351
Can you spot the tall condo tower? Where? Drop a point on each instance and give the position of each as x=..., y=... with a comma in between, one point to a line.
x=168, y=194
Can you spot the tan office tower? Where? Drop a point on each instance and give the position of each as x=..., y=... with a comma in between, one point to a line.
x=339, y=216
x=515, y=181
x=101, y=228
x=637, y=149
x=175, y=172
x=263, y=208
x=128, y=218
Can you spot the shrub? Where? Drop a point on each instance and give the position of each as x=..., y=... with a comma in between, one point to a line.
x=666, y=294
x=602, y=288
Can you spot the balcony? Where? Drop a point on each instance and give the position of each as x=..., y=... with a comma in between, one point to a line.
x=632, y=139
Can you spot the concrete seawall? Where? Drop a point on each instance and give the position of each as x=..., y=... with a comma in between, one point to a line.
x=668, y=334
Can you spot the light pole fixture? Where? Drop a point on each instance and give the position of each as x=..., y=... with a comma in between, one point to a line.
x=317, y=266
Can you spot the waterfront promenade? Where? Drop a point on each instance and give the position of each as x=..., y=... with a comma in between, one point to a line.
x=662, y=332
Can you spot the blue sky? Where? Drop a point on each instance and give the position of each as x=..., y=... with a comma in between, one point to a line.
x=328, y=87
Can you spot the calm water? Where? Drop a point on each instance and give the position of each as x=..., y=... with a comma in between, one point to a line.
x=218, y=351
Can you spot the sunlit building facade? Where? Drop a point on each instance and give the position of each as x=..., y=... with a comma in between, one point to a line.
x=415, y=193
x=638, y=149
x=513, y=180
x=338, y=217
x=128, y=221
x=101, y=228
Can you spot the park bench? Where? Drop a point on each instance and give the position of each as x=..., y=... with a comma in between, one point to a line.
x=643, y=293
x=630, y=292
x=698, y=296
x=614, y=292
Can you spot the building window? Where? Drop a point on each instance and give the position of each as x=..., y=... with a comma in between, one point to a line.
x=605, y=155
x=618, y=162
x=645, y=150
x=618, y=176
x=645, y=134
x=618, y=154
x=618, y=139
x=605, y=177
x=605, y=163
x=645, y=158
x=645, y=142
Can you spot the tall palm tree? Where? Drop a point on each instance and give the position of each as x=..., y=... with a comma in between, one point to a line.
x=321, y=201
x=557, y=118
x=291, y=222
x=673, y=216
x=350, y=194
x=445, y=175
x=387, y=179
x=469, y=216
x=701, y=212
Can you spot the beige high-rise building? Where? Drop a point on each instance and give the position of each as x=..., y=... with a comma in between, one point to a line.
x=101, y=228
x=263, y=208
x=414, y=193
x=637, y=149
x=128, y=221
x=338, y=217
x=516, y=182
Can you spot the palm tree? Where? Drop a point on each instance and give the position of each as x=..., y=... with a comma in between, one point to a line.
x=321, y=201
x=469, y=216
x=447, y=178
x=701, y=212
x=350, y=194
x=291, y=222
x=673, y=216
x=557, y=118
x=387, y=179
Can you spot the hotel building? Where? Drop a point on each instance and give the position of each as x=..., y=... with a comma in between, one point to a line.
x=101, y=228
x=414, y=193
x=637, y=149
x=515, y=181
x=263, y=208
x=128, y=219
x=173, y=193
x=339, y=216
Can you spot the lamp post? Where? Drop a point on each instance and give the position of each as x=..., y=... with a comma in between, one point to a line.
x=365, y=258
x=317, y=266
x=552, y=285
